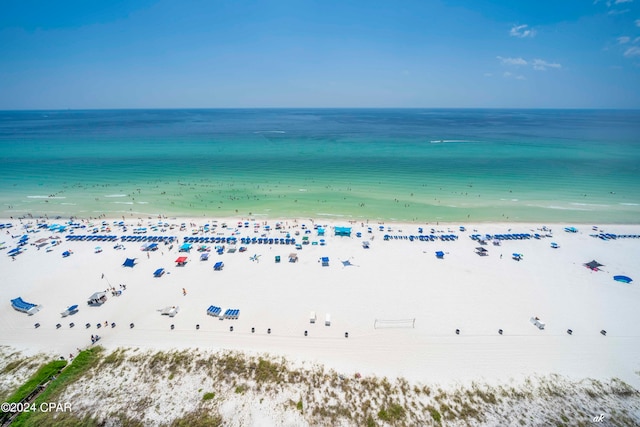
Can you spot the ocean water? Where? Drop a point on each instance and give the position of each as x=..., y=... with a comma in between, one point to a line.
x=429, y=165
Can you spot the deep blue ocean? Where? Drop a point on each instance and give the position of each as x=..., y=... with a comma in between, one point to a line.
x=423, y=165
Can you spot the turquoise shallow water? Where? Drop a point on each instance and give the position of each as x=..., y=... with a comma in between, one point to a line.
x=409, y=165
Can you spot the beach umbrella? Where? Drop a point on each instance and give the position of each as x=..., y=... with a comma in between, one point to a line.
x=129, y=262
x=623, y=279
x=593, y=265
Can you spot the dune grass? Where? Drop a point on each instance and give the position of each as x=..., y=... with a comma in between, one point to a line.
x=84, y=361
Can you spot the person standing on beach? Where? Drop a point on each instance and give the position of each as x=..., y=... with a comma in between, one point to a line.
x=184, y=292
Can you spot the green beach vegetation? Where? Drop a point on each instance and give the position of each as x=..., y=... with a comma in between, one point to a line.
x=96, y=382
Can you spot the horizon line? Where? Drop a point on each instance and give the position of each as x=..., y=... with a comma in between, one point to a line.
x=314, y=108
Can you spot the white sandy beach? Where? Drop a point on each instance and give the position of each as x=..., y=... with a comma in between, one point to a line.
x=396, y=279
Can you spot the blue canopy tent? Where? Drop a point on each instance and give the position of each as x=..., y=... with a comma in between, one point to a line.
x=440, y=255
x=158, y=273
x=320, y=231
x=218, y=266
x=204, y=256
x=343, y=231
x=23, y=306
x=186, y=247
x=623, y=279
x=325, y=261
x=14, y=251
x=72, y=309
x=129, y=262
x=66, y=254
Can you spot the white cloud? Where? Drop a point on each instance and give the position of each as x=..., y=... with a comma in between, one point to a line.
x=624, y=39
x=623, y=1
x=512, y=61
x=521, y=31
x=637, y=22
x=632, y=52
x=542, y=65
x=618, y=11
x=510, y=75
x=536, y=64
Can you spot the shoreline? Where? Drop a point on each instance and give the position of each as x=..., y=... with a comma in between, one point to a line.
x=329, y=218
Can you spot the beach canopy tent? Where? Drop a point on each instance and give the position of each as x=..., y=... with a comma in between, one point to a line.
x=554, y=245
x=320, y=231
x=25, y=307
x=517, y=257
x=623, y=279
x=204, y=256
x=186, y=247
x=293, y=257
x=325, y=261
x=593, y=265
x=365, y=244
x=150, y=247
x=482, y=251
x=129, y=262
x=98, y=298
x=343, y=231
x=218, y=266
x=439, y=254
x=72, y=309
x=66, y=254
x=158, y=273
x=277, y=258
x=181, y=260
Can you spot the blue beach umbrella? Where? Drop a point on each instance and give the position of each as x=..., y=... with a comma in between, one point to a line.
x=623, y=279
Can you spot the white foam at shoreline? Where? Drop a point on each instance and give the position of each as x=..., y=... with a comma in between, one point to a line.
x=115, y=195
x=591, y=204
x=561, y=208
x=46, y=197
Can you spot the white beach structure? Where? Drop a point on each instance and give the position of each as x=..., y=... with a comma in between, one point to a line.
x=170, y=311
x=537, y=322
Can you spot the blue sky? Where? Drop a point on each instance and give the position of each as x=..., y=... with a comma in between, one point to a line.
x=297, y=53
